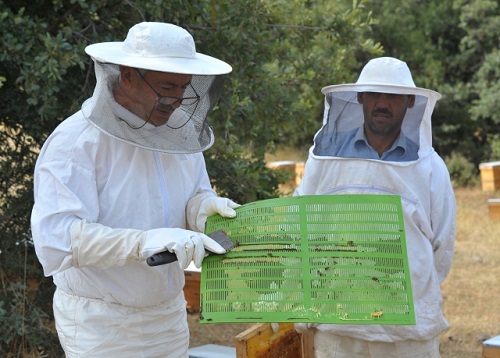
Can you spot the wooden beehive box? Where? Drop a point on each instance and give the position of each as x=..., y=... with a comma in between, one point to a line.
x=491, y=348
x=296, y=169
x=299, y=172
x=490, y=176
x=494, y=209
x=286, y=166
x=192, y=290
x=260, y=341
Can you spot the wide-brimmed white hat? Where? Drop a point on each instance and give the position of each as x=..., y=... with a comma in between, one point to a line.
x=160, y=47
x=384, y=74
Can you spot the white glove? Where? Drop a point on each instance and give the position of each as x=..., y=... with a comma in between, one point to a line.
x=304, y=327
x=101, y=246
x=187, y=245
x=215, y=205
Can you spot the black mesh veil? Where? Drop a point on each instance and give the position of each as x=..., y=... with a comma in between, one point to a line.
x=344, y=114
x=186, y=131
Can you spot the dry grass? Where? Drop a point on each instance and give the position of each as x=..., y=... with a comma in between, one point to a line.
x=471, y=292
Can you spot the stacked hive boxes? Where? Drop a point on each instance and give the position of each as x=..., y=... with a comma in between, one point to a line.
x=490, y=182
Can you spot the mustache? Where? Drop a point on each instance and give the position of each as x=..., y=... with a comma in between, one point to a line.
x=385, y=112
x=164, y=107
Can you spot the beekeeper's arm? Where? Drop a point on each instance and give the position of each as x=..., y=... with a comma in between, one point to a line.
x=443, y=221
x=100, y=246
x=65, y=233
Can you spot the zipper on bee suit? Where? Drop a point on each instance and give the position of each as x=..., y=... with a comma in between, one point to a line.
x=163, y=187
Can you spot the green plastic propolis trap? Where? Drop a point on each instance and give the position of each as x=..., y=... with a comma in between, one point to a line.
x=324, y=259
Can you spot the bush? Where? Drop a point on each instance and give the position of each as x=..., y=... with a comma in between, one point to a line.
x=26, y=324
x=494, y=143
x=462, y=171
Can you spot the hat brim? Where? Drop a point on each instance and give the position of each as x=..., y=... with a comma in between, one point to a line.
x=113, y=52
x=381, y=87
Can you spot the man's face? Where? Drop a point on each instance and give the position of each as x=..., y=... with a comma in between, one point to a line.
x=145, y=90
x=384, y=112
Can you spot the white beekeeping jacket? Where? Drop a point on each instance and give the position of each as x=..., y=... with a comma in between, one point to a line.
x=83, y=173
x=423, y=184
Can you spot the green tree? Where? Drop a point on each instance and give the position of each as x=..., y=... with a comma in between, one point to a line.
x=452, y=47
x=425, y=34
x=282, y=53
x=480, y=54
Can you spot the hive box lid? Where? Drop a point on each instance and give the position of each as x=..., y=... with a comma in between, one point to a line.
x=489, y=164
x=212, y=351
x=492, y=342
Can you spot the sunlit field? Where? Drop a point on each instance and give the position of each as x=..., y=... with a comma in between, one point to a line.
x=472, y=290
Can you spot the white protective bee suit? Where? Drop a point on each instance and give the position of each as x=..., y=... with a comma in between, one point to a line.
x=428, y=205
x=109, y=195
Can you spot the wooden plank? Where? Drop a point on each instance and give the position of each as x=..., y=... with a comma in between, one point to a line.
x=260, y=341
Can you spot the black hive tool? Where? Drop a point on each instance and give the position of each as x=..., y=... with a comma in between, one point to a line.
x=167, y=257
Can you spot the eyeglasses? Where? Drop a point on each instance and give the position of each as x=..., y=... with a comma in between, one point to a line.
x=170, y=101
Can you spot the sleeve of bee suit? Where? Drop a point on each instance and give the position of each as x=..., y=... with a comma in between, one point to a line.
x=65, y=217
x=443, y=220
x=103, y=247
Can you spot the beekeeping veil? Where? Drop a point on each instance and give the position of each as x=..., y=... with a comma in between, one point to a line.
x=343, y=114
x=165, y=48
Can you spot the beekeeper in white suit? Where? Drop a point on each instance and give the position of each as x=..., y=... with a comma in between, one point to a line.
x=376, y=139
x=122, y=179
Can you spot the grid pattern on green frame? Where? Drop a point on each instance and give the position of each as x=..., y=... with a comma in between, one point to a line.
x=324, y=259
